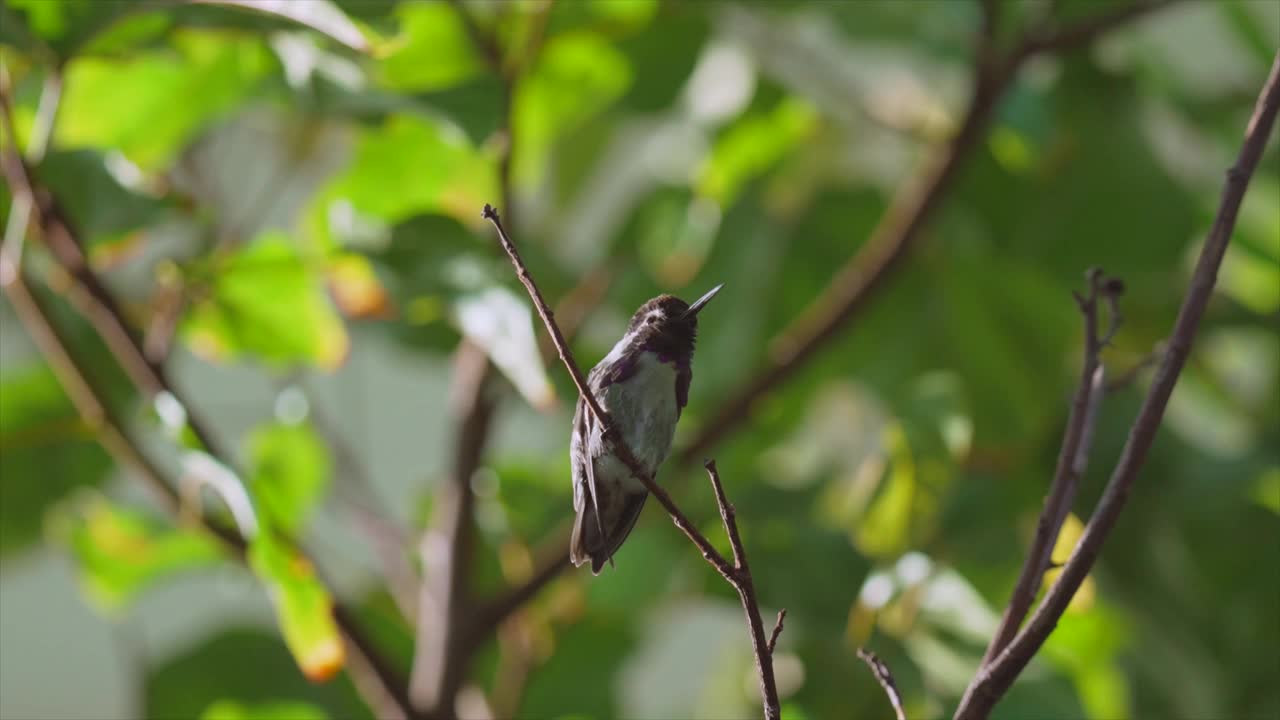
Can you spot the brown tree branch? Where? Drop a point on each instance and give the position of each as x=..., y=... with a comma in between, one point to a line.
x=994, y=679
x=1072, y=459
x=777, y=630
x=885, y=678
x=88, y=293
x=441, y=656
x=738, y=574
x=112, y=432
x=761, y=645
x=114, y=436
x=912, y=207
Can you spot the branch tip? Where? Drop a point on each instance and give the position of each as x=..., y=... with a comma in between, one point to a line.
x=885, y=677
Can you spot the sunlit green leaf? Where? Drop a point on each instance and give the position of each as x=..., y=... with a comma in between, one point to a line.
x=432, y=50
x=501, y=322
x=47, y=452
x=303, y=607
x=289, y=473
x=280, y=710
x=150, y=104
x=268, y=302
x=406, y=166
x=65, y=24
x=577, y=75
x=121, y=551
x=752, y=145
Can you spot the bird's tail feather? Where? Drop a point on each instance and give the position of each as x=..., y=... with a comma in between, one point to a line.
x=587, y=543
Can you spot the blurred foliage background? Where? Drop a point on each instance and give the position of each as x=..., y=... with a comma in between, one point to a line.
x=293, y=193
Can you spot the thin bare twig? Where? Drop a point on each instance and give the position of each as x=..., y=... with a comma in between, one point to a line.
x=777, y=630
x=747, y=593
x=89, y=294
x=114, y=436
x=89, y=402
x=1072, y=459
x=610, y=430
x=885, y=678
x=738, y=574
x=995, y=678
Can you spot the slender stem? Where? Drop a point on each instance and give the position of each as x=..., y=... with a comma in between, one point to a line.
x=777, y=630
x=738, y=574
x=1072, y=459
x=89, y=402
x=993, y=680
x=611, y=434
x=883, y=676
x=760, y=643
x=88, y=293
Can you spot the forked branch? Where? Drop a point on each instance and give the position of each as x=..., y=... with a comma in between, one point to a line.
x=738, y=574
x=996, y=677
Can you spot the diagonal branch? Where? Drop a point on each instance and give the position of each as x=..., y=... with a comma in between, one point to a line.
x=103, y=312
x=738, y=574
x=610, y=430
x=88, y=294
x=869, y=270
x=994, y=679
x=1072, y=459
x=127, y=451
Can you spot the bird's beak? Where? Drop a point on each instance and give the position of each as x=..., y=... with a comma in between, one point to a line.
x=695, y=308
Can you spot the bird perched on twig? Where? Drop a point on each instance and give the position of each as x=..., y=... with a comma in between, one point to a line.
x=642, y=384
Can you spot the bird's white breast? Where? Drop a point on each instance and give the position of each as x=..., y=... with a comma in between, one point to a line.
x=644, y=407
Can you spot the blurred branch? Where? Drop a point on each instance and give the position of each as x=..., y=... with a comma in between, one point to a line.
x=444, y=641
x=112, y=433
x=885, y=678
x=910, y=209
x=88, y=293
x=995, y=678
x=440, y=654
x=1079, y=34
x=738, y=574
x=552, y=563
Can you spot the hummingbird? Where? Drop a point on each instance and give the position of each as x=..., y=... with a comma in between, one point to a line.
x=643, y=385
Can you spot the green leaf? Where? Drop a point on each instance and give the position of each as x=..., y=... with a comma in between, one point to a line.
x=290, y=471
x=752, y=145
x=269, y=302
x=578, y=74
x=64, y=25
x=149, y=105
x=47, y=453
x=431, y=51
x=122, y=551
x=406, y=166
x=279, y=710
x=303, y=607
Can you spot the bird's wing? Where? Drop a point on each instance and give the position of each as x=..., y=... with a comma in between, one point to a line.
x=584, y=427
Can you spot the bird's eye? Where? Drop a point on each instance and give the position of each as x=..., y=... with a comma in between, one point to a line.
x=650, y=320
